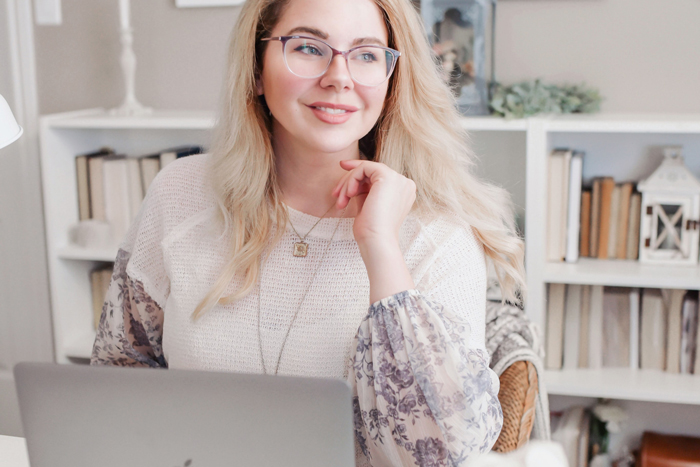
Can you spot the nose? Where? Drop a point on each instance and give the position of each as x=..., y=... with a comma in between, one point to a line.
x=337, y=75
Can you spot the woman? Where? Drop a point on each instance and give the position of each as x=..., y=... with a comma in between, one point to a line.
x=335, y=126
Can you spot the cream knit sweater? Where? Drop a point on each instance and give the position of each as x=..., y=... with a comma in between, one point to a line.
x=176, y=253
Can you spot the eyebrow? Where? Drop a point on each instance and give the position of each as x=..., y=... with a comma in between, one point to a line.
x=324, y=36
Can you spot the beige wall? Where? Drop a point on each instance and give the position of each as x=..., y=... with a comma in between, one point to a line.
x=643, y=55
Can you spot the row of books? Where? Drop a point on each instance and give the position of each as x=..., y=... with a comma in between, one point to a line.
x=111, y=186
x=600, y=326
x=600, y=221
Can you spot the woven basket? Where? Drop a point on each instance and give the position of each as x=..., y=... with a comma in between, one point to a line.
x=517, y=396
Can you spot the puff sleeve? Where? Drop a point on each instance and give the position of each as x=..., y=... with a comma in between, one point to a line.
x=423, y=392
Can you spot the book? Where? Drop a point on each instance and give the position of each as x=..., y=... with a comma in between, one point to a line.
x=616, y=327
x=81, y=172
x=150, y=166
x=585, y=323
x=614, y=217
x=99, y=282
x=555, y=326
x=117, y=199
x=633, y=230
x=652, y=333
x=563, y=215
x=584, y=439
x=635, y=299
x=572, y=326
x=673, y=299
x=623, y=220
x=96, y=183
x=607, y=186
x=573, y=221
x=169, y=155
x=585, y=243
x=556, y=171
x=595, y=328
x=689, y=332
x=135, y=186
x=568, y=433
x=595, y=216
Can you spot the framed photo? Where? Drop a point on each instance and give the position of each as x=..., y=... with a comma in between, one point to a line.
x=204, y=3
x=456, y=29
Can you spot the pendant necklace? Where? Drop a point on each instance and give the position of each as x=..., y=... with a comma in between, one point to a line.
x=308, y=287
x=301, y=248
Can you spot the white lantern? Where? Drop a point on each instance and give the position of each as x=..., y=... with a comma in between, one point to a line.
x=670, y=212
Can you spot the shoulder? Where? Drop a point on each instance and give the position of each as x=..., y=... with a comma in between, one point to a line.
x=442, y=245
x=182, y=188
x=444, y=232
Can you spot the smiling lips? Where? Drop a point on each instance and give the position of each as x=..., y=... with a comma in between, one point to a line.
x=332, y=113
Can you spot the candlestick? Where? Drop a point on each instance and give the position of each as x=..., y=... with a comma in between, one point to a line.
x=131, y=106
x=124, y=13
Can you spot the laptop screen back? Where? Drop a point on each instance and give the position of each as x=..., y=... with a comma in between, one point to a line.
x=83, y=416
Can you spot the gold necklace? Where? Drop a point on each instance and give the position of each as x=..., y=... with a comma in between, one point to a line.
x=301, y=248
x=308, y=287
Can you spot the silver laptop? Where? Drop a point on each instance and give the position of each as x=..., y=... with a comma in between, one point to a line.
x=83, y=416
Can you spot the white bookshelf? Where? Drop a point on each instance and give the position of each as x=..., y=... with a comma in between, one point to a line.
x=62, y=137
x=615, y=144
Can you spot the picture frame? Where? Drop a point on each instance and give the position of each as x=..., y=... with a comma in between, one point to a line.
x=457, y=33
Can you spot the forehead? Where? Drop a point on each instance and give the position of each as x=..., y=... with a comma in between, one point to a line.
x=342, y=20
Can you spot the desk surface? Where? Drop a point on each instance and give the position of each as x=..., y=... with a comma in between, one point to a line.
x=13, y=452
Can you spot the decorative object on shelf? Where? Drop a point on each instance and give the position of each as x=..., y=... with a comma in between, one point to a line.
x=131, y=106
x=456, y=29
x=92, y=234
x=606, y=418
x=531, y=98
x=670, y=213
x=10, y=131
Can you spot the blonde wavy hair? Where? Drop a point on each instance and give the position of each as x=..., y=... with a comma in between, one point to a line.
x=418, y=135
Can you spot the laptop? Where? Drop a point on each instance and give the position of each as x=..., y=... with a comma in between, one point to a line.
x=88, y=416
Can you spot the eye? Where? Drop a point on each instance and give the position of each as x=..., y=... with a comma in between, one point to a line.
x=367, y=57
x=309, y=49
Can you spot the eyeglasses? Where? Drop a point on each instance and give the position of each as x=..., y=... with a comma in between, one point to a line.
x=306, y=57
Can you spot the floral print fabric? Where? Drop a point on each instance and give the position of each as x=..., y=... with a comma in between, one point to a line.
x=130, y=329
x=421, y=396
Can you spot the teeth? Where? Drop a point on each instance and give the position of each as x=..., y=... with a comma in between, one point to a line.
x=332, y=111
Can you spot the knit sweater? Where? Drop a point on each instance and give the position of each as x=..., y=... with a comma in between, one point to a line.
x=422, y=390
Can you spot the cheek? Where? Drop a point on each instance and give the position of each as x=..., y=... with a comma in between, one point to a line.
x=374, y=100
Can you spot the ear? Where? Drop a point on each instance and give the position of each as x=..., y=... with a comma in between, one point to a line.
x=258, y=86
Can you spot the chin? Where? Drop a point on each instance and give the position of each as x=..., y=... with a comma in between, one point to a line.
x=333, y=143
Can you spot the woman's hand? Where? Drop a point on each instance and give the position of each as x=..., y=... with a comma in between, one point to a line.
x=384, y=199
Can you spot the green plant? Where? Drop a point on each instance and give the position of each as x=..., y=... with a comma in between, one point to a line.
x=531, y=98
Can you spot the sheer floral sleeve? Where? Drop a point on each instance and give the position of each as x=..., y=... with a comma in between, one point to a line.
x=423, y=393
x=130, y=332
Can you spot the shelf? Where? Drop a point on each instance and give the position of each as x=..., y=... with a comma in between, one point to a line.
x=625, y=383
x=87, y=254
x=162, y=119
x=622, y=273
x=493, y=123
x=81, y=347
x=624, y=123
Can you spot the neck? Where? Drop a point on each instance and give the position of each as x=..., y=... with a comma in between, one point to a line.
x=307, y=177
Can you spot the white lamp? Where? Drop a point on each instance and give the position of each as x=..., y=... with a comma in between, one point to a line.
x=10, y=131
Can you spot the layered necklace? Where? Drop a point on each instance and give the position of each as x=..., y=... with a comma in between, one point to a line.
x=308, y=287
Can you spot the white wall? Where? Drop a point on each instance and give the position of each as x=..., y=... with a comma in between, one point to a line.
x=641, y=54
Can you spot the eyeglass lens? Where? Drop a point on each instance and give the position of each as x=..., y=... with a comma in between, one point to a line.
x=308, y=58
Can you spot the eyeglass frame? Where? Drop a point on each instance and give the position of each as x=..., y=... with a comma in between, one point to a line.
x=284, y=39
